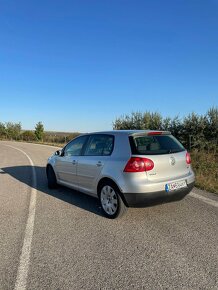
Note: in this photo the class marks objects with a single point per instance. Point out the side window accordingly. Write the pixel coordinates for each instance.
(100, 145)
(75, 147)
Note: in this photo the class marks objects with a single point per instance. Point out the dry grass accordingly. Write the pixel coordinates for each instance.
(205, 165)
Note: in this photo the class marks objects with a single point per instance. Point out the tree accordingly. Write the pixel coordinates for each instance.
(212, 123)
(39, 131)
(139, 121)
(152, 121)
(194, 131)
(2, 130)
(28, 135)
(13, 130)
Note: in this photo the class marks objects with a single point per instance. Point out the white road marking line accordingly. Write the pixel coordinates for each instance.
(204, 199)
(50, 146)
(22, 273)
(36, 144)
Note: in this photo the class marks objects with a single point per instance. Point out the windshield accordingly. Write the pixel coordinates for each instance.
(153, 145)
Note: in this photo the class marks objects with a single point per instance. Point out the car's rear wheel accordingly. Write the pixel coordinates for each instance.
(111, 202)
(52, 181)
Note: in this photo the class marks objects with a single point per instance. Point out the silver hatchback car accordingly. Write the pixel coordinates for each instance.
(123, 168)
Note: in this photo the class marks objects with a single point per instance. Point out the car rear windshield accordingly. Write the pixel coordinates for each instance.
(154, 145)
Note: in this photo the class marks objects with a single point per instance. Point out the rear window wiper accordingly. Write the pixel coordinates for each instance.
(174, 150)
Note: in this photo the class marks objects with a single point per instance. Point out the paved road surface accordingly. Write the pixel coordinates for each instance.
(58, 239)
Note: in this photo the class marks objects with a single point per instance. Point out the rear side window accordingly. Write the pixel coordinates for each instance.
(100, 145)
(154, 145)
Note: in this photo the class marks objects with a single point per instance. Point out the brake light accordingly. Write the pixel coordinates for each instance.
(155, 133)
(138, 164)
(188, 158)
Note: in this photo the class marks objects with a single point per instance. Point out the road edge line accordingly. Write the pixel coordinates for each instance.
(204, 199)
(37, 144)
(23, 267)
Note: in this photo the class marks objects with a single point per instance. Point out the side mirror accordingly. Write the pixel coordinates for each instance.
(58, 152)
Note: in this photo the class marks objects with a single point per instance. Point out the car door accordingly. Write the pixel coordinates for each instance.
(66, 163)
(90, 165)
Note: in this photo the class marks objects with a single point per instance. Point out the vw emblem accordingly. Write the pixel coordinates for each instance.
(172, 161)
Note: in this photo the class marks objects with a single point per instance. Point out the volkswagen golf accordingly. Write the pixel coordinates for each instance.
(123, 168)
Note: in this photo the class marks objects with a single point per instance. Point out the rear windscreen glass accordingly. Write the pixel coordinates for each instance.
(152, 145)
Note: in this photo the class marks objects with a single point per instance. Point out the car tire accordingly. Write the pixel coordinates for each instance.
(110, 200)
(52, 181)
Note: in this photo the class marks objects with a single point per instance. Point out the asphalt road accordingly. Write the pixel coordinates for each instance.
(58, 239)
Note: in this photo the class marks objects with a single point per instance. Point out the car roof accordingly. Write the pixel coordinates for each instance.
(129, 132)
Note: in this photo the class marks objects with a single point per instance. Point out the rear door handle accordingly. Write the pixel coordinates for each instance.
(99, 164)
(74, 162)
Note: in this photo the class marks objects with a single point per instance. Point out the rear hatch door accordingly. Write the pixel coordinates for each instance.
(168, 166)
(167, 153)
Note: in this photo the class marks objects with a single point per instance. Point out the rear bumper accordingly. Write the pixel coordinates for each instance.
(140, 199)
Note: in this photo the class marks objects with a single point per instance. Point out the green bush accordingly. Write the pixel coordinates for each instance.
(194, 131)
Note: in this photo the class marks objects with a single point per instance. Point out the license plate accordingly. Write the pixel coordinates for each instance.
(175, 185)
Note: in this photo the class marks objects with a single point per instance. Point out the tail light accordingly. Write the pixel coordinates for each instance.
(188, 158)
(138, 164)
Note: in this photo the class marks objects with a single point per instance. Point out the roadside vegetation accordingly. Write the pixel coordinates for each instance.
(198, 133)
(205, 165)
(13, 131)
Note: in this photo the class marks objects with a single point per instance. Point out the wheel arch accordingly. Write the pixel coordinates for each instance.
(47, 166)
(50, 166)
(106, 180)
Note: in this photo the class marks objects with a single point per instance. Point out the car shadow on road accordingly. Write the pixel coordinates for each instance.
(86, 202)
(24, 175)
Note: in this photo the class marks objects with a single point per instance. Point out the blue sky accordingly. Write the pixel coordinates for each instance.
(77, 65)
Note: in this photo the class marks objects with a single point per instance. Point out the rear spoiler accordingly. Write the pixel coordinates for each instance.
(150, 133)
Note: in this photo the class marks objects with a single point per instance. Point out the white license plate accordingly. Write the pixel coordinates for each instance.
(175, 185)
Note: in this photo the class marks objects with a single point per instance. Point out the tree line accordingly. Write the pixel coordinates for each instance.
(193, 131)
(14, 131)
